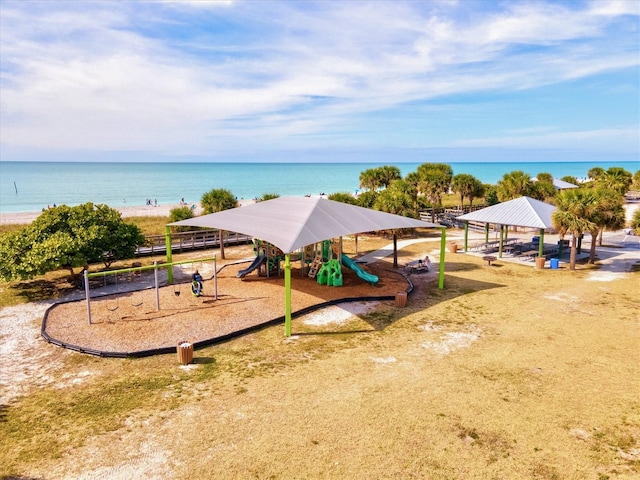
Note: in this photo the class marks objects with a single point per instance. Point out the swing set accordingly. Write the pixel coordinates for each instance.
(137, 295)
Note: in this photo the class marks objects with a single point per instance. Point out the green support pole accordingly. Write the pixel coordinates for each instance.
(443, 245)
(500, 243)
(486, 232)
(541, 245)
(466, 236)
(287, 295)
(167, 244)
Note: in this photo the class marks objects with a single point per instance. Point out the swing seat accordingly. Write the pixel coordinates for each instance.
(196, 288)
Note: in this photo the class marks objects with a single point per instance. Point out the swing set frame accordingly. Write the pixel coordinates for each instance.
(139, 269)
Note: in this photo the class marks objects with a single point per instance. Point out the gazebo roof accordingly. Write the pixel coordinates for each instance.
(290, 223)
(519, 212)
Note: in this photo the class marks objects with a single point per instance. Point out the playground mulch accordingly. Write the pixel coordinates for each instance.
(130, 322)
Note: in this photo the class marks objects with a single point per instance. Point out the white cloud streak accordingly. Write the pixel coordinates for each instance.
(209, 77)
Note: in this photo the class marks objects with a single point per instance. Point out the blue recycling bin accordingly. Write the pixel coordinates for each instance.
(554, 263)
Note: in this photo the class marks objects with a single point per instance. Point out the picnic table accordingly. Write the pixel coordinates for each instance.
(529, 254)
(489, 259)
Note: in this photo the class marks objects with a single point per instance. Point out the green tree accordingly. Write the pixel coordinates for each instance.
(67, 237)
(463, 185)
(572, 216)
(395, 199)
(379, 177)
(635, 221)
(388, 174)
(570, 179)
(218, 200)
(367, 199)
(543, 188)
(343, 197)
(369, 179)
(434, 181)
(180, 213)
(636, 180)
(615, 178)
(490, 194)
(513, 185)
(478, 191)
(595, 173)
(609, 214)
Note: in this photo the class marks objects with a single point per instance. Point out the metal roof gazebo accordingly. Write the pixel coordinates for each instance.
(519, 212)
(290, 223)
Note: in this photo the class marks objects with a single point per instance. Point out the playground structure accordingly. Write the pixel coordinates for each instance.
(113, 287)
(322, 261)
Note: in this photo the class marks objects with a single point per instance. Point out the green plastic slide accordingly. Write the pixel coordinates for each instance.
(367, 277)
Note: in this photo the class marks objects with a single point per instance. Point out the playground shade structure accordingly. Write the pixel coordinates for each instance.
(291, 223)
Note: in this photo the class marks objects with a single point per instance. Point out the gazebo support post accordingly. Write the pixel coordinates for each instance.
(501, 240)
(486, 233)
(287, 295)
(443, 246)
(466, 236)
(541, 244)
(167, 244)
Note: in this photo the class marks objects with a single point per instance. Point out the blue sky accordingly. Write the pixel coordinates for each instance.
(465, 80)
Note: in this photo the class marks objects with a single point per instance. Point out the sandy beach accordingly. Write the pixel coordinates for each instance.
(161, 210)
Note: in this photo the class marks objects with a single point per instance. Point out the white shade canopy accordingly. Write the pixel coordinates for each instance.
(291, 223)
(519, 212)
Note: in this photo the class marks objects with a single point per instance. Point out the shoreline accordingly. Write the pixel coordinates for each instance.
(162, 210)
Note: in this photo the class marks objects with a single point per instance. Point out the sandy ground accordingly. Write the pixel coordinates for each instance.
(161, 210)
(20, 339)
(20, 325)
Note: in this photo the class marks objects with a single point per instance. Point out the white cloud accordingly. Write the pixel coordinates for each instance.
(98, 77)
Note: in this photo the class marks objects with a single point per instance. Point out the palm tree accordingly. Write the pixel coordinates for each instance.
(387, 174)
(369, 179)
(572, 216)
(609, 215)
(435, 181)
(463, 184)
(477, 191)
(395, 200)
(513, 185)
(615, 178)
(217, 200)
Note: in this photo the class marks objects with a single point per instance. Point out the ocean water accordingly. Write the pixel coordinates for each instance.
(32, 186)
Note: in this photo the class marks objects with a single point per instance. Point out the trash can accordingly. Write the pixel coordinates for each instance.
(185, 353)
(453, 247)
(540, 261)
(554, 263)
(401, 299)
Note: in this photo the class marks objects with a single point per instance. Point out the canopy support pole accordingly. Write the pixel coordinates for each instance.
(486, 233)
(287, 295)
(541, 245)
(395, 250)
(167, 244)
(466, 236)
(443, 246)
(502, 236)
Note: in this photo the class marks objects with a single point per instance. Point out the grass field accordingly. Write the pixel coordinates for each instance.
(507, 373)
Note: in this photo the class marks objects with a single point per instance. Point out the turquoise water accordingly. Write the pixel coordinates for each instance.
(31, 186)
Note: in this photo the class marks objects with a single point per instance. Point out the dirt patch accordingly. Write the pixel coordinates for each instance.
(130, 322)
